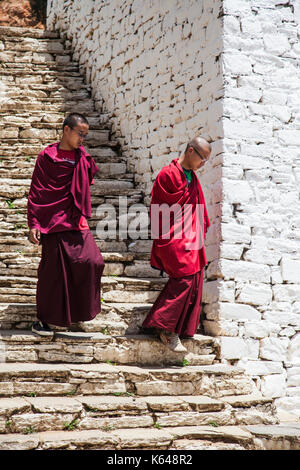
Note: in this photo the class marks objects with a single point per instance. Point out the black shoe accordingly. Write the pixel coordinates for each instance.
(42, 329)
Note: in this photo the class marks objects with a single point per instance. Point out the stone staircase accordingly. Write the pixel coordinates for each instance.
(106, 385)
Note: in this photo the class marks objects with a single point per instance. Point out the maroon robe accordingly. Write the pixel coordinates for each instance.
(60, 191)
(71, 266)
(178, 251)
(69, 278)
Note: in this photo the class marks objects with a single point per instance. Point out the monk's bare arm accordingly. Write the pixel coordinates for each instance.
(34, 235)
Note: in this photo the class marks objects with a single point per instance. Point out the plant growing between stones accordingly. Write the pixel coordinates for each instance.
(183, 363)
(8, 425)
(107, 428)
(157, 426)
(213, 423)
(72, 392)
(72, 425)
(111, 363)
(91, 409)
(105, 331)
(10, 203)
(29, 430)
(18, 226)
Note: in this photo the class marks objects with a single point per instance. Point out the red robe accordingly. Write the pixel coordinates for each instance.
(177, 256)
(178, 306)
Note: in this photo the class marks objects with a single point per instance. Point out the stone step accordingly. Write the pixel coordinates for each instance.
(117, 289)
(101, 187)
(42, 141)
(106, 153)
(46, 106)
(34, 135)
(38, 414)
(36, 379)
(173, 438)
(133, 439)
(285, 436)
(114, 171)
(25, 123)
(17, 54)
(18, 32)
(108, 283)
(73, 80)
(32, 45)
(16, 254)
(13, 203)
(15, 220)
(94, 118)
(19, 260)
(44, 88)
(80, 347)
(62, 93)
(50, 69)
(17, 241)
(114, 319)
(95, 137)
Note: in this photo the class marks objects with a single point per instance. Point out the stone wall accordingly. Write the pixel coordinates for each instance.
(156, 70)
(227, 70)
(254, 292)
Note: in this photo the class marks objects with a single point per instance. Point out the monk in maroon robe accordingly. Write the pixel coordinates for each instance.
(59, 203)
(178, 245)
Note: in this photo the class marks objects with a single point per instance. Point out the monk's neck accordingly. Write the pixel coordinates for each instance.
(63, 145)
(182, 161)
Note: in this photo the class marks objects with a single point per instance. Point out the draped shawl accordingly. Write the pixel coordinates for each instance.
(60, 190)
(179, 251)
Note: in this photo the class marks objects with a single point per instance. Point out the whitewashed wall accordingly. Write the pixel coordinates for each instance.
(152, 68)
(227, 70)
(255, 305)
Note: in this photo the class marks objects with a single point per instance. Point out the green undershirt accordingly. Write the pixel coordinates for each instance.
(188, 174)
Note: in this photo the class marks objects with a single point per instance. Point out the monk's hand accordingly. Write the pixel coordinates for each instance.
(35, 236)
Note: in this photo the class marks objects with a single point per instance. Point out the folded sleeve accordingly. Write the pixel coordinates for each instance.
(32, 220)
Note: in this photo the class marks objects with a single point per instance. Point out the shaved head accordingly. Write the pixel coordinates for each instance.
(197, 152)
(199, 144)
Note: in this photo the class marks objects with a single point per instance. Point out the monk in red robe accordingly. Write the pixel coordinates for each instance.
(179, 222)
(59, 203)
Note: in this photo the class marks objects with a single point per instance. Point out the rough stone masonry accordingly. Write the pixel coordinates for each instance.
(227, 70)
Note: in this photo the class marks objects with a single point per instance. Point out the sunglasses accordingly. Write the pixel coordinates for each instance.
(202, 158)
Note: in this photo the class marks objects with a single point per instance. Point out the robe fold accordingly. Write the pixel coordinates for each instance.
(178, 306)
(182, 252)
(69, 277)
(178, 249)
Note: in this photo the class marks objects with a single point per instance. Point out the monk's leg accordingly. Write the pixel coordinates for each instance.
(50, 291)
(189, 320)
(178, 306)
(73, 266)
